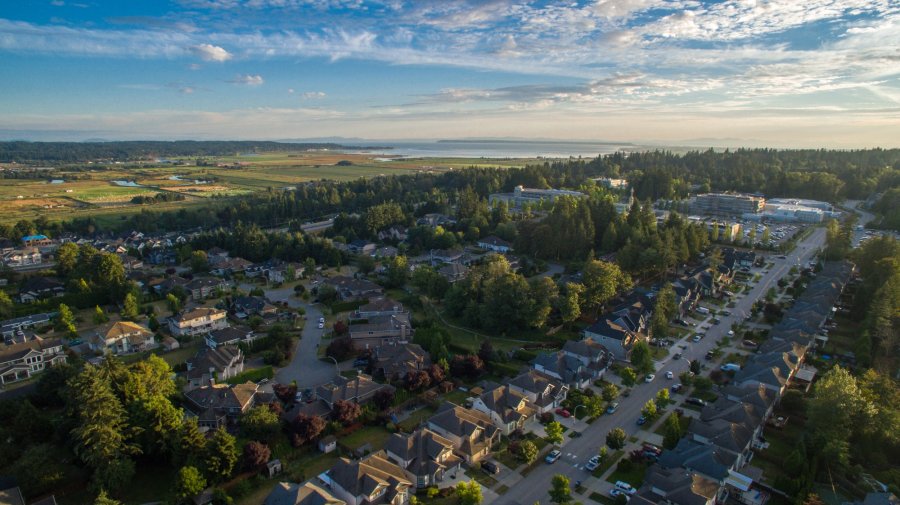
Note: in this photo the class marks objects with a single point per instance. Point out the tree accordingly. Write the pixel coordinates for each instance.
(528, 451)
(469, 493)
(285, 392)
(345, 412)
(256, 455)
(66, 258)
(672, 431)
(100, 317)
(629, 376)
(569, 304)
(610, 391)
(199, 261)
(642, 357)
(365, 264)
(306, 428)
(130, 309)
(102, 498)
(173, 303)
(221, 455)
(554, 432)
(695, 366)
(560, 492)
(602, 280)
(649, 410)
(835, 411)
(615, 439)
(384, 398)
(397, 272)
(114, 474)
(594, 406)
(469, 366)
(191, 443)
(260, 423)
(189, 483)
(417, 380)
(102, 434)
(664, 310)
(65, 320)
(486, 351)
(662, 397)
(38, 469)
(766, 235)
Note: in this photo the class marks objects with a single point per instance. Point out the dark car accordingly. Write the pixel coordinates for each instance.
(696, 401)
(361, 362)
(308, 395)
(490, 467)
(710, 354)
(678, 355)
(641, 421)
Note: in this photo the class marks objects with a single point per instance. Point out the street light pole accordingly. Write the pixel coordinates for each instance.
(336, 371)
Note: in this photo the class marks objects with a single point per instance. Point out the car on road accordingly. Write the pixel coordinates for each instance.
(697, 338)
(490, 467)
(716, 320)
(592, 464)
(677, 355)
(730, 333)
(360, 362)
(696, 401)
(575, 434)
(563, 412)
(298, 397)
(670, 375)
(263, 381)
(676, 387)
(730, 367)
(616, 492)
(641, 421)
(649, 377)
(612, 407)
(626, 487)
(710, 354)
(322, 320)
(749, 343)
(726, 312)
(553, 457)
(321, 326)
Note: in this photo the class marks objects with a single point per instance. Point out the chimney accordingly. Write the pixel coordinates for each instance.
(212, 376)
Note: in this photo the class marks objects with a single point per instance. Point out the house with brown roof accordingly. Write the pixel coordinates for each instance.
(286, 493)
(214, 364)
(424, 454)
(359, 389)
(349, 288)
(197, 321)
(216, 405)
(24, 359)
(675, 486)
(370, 481)
(472, 432)
(394, 361)
(509, 409)
(121, 337)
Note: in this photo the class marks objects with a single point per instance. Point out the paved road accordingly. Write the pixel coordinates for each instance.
(305, 366)
(578, 451)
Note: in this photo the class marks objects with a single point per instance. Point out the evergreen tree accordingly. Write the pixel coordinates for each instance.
(130, 309)
(221, 455)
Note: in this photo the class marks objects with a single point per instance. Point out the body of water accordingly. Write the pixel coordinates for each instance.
(127, 184)
(501, 149)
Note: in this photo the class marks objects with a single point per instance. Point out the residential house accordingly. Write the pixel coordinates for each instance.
(38, 288)
(9, 327)
(675, 486)
(248, 306)
(434, 220)
(454, 272)
(545, 393)
(362, 247)
(727, 435)
(371, 481)
(398, 233)
(772, 370)
(22, 360)
(170, 344)
(708, 460)
(509, 409)
(395, 361)
(36, 241)
(121, 337)
(619, 330)
(202, 288)
(472, 432)
(226, 267)
(380, 330)
(232, 335)
(495, 244)
(560, 365)
(387, 251)
(592, 355)
(286, 493)
(447, 256)
(20, 258)
(217, 405)
(218, 364)
(284, 272)
(197, 321)
(349, 288)
(379, 307)
(360, 389)
(424, 454)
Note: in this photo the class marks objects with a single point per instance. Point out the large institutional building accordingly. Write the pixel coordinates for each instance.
(727, 204)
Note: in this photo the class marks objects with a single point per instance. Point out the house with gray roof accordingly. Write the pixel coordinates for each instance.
(675, 486)
(216, 405)
(472, 432)
(370, 481)
(286, 493)
(708, 460)
(508, 409)
(546, 393)
(425, 455)
(565, 367)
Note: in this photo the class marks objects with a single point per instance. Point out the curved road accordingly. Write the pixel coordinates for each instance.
(577, 452)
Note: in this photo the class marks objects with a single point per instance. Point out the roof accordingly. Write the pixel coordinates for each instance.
(725, 434)
(381, 305)
(507, 403)
(401, 358)
(121, 329)
(357, 388)
(495, 241)
(677, 486)
(462, 422)
(381, 323)
(425, 451)
(17, 351)
(219, 397)
(368, 475)
(286, 493)
(708, 460)
(218, 359)
(197, 313)
(230, 334)
(586, 348)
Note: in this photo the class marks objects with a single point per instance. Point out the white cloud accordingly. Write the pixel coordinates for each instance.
(247, 80)
(209, 52)
(313, 95)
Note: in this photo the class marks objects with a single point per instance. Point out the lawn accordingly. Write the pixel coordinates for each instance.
(685, 421)
(607, 463)
(633, 476)
(605, 500)
(409, 424)
(375, 435)
(483, 478)
(457, 396)
(255, 375)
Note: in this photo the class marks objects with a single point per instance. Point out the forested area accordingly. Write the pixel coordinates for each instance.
(24, 152)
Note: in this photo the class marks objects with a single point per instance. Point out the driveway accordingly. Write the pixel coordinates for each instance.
(577, 452)
(305, 366)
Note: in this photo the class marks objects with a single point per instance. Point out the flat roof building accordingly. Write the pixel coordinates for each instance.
(727, 204)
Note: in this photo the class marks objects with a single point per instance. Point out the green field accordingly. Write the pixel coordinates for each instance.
(91, 193)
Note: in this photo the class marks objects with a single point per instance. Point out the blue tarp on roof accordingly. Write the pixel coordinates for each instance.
(29, 238)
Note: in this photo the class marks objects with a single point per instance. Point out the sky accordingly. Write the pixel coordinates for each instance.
(780, 73)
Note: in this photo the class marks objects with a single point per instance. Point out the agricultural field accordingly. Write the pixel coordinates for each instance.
(93, 192)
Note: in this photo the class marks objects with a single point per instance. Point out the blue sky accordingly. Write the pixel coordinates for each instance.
(725, 72)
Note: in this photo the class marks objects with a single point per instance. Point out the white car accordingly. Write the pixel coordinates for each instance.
(730, 333)
(553, 457)
(321, 326)
(697, 338)
(616, 492)
(322, 320)
(626, 487)
(592, 464)
(649, 377)
(670, 375)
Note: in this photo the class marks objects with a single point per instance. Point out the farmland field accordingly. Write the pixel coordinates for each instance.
(92, 192)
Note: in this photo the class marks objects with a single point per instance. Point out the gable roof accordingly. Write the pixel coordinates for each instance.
(221, 397)
(422, 449)
(368, 475)
(708, 460)
(218, 359)
(286, 493)
(507, 403)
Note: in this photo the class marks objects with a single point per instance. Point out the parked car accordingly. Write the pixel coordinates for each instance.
(652, 448)
(592, 464)
(612, 408)
(750, 343)
(696, 401)
(710, 354)
(678, 355)
(358, 362)
(263, 381)
(553, 457)
(616, 492)
(321, 326)
(676, 387)
(649, 377)
(322, 320)
(575, 434)
(730, 367)
(670, 375)
(563, 412)
(641, 421)
(626, 487)
(490, 467)
(697, 338)
(730, 333)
